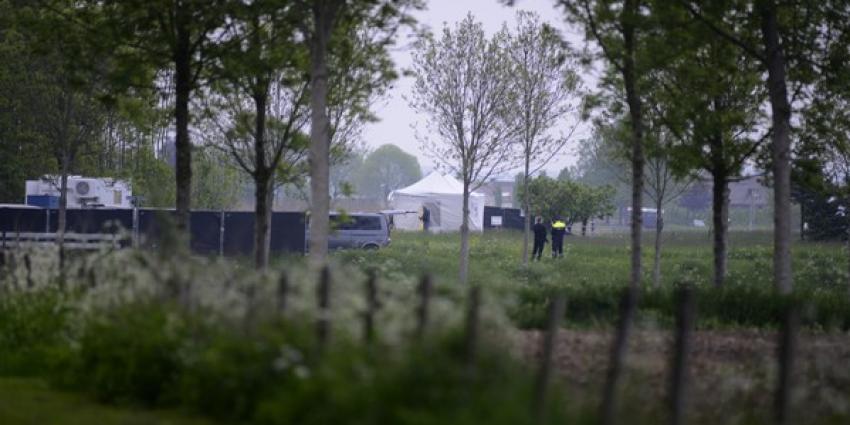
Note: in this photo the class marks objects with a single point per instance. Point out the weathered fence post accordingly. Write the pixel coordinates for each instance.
(628, 302)
(685, 314)
(28, 265)
(424, 289)
(92, 277)
(556, 315)
(2, 264)
(323, 322)
(371, 307)
(472, 318)
(282, 294)
(250, 295)
(786, 353)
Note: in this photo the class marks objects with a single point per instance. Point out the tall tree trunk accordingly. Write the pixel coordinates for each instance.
(659, 227)
(584, 227)
(781, 147)
(720, 222)
(264, 197)
(464, 235)
(63, 208)
(848, 256)
(630, 13)
(527, 206)
(323, 15)
(263, 191)
(182, 144)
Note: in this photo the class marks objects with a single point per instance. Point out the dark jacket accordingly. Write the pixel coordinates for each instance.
(539, 232)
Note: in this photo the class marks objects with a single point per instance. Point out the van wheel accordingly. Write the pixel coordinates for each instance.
(371, 247)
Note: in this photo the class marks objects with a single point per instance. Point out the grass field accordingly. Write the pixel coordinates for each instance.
(595, 269)
(28, 401)
(687, 255)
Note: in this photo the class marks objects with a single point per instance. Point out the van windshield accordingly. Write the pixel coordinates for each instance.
(356, 222)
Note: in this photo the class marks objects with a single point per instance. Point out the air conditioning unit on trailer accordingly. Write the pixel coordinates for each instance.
(83, 192)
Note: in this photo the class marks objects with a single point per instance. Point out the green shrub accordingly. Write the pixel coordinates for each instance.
(32, 330)
(130, 352)
(228, 372)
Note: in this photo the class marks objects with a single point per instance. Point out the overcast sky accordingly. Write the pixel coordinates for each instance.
(397, 118)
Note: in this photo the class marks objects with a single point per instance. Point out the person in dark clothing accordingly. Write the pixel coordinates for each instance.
(426, 219)
(559, 228)
(539, 238)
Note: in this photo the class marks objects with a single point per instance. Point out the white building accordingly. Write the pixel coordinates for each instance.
(83, 192)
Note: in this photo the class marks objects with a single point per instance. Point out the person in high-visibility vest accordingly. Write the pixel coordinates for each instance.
(559, 228)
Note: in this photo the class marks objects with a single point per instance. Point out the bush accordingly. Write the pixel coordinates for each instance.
(130, 352)
(32, 330)
(230, 371)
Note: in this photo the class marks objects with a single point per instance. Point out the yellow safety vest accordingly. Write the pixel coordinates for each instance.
(559, 225)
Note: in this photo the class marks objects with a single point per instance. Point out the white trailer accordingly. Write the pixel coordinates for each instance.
(83, 192)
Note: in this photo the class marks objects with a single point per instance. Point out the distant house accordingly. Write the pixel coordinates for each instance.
(745, 193)
(499, 192)
(748, 192)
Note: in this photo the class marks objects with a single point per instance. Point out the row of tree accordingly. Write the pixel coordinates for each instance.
(281, 87)
(689, 88)
(707, 87)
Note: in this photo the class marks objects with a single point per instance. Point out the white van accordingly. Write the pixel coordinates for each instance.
(358, 230)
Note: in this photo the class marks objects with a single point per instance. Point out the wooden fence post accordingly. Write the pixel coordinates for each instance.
(472, 318)
(628, 302)
(322, 324)
(424, 289)
(28, 265)
(250, 295)
(371, 307)
(685, 314)
(92, 279)
(556, 315)
(786, 352)
(282, 294)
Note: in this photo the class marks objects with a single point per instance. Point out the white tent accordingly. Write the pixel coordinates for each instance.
(443, 196)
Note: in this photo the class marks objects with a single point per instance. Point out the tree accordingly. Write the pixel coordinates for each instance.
(709, 99)
(571, 201)
(219, 185)
(546, 85)
(618, 27)
(65, 78)
(328, 16)
(22, 148)
(262, 96)
(386, 169)
(787, 41)
(609, 150)
(463, 85)
(663, 186)
(179, 35)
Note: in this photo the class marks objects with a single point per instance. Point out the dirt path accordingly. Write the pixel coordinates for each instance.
(732, 372)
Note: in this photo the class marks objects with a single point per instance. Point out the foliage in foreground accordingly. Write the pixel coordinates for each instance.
(208, 336)
(194, 334)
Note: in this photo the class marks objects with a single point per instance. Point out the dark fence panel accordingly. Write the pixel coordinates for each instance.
(511, 218)
(288, 228)
(239, 233)
(93, 220)
(206, 232)
(289, 233)
(151, 224)
(25, 220)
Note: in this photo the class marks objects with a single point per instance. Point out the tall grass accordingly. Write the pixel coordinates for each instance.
(595, 269)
